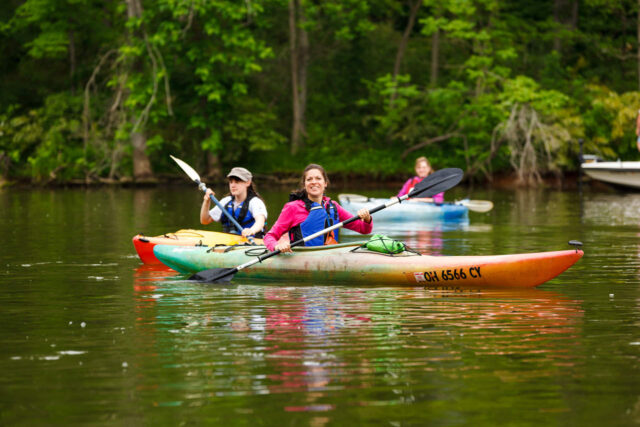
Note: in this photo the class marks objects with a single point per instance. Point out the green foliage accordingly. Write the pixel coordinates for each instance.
(254, 128)
(197, 77)
(610, 122)
(52, 43)
(44, 144)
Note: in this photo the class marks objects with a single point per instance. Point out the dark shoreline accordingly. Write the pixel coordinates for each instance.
(568, 181)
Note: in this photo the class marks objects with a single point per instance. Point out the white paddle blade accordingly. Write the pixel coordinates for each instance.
(477, 205)
(186, 168)
(356, 198)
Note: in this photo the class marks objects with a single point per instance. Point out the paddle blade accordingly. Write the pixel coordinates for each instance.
(215, 275)
(477, 205)
(186, 168)
(356, 198)
(437, 182)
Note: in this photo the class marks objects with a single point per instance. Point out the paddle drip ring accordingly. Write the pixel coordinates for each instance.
(256, 252)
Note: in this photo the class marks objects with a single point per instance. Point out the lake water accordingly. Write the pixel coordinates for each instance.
(89, 335)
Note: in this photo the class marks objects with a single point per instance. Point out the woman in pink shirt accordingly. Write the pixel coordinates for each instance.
(423, 170)
(310, 211)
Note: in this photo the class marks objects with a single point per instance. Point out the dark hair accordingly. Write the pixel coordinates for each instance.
(301, 193)
(251, 191)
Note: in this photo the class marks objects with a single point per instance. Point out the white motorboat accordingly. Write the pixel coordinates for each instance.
(626, 174)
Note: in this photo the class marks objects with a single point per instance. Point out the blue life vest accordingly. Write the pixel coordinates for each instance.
(319, 218)
(242, 215)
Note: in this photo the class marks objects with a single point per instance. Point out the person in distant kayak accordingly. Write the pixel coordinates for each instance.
(244, 204)
(309, 211)
(638, 130)
(423, 170)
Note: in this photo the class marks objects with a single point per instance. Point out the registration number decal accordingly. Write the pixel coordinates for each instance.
(448, 275)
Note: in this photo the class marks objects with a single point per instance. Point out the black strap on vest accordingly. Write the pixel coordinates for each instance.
(307, 203)
(243, 210)
(301, 196)
(227, 226)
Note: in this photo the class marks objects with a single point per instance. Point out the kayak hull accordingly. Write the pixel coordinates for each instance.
(144, 244)
(339, 264)
(410, 210)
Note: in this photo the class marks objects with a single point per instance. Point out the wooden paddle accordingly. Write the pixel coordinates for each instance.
(202, 186)
(435, 183)
(472, 205)
(476, 205)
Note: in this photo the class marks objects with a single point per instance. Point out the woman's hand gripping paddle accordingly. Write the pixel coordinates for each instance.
(202, 186)
(435, 183)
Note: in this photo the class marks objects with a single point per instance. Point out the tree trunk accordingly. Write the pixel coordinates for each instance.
(574, 15)
(565, 15)
(303, 63)
(72, 61)
(435, 52)
(295, 131)
(638, 36)
(4, 168)
(134, 9)
(213, 166)
(141, 164)
(558, 6)
(299, 46)
(404, 41)
(478, 49)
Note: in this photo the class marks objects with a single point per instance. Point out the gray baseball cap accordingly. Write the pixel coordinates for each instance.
(241, 173)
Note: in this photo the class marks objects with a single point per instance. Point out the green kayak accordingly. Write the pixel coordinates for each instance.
(349, 263)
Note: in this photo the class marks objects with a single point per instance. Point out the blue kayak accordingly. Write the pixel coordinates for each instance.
(410, 210)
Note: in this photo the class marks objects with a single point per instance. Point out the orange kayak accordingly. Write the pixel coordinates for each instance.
(144, 244)
(349, 264)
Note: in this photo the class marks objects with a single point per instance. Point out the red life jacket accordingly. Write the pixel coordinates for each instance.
(415, 181)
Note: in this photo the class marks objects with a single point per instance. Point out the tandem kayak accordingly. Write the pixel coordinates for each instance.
(410, 210)
(144, 244)
(349, 263)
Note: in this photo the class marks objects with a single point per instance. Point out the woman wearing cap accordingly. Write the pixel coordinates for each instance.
(244, 204)
(310, 211)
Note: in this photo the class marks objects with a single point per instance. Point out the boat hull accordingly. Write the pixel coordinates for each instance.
(144, 244)
(626, 174)
(338, 264)
(409, 210)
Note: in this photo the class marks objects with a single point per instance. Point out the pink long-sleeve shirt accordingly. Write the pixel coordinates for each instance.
(411, 182)
(294, 213)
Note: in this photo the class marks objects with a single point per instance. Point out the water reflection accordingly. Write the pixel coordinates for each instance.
(316, 341)
(403, 227)
(612, 209)
(145, 276)
(89, 336)
(405, 336)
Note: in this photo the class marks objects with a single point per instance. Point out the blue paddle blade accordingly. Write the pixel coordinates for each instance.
(437, 182)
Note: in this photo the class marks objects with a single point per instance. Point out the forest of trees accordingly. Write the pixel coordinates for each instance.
(104, 91)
